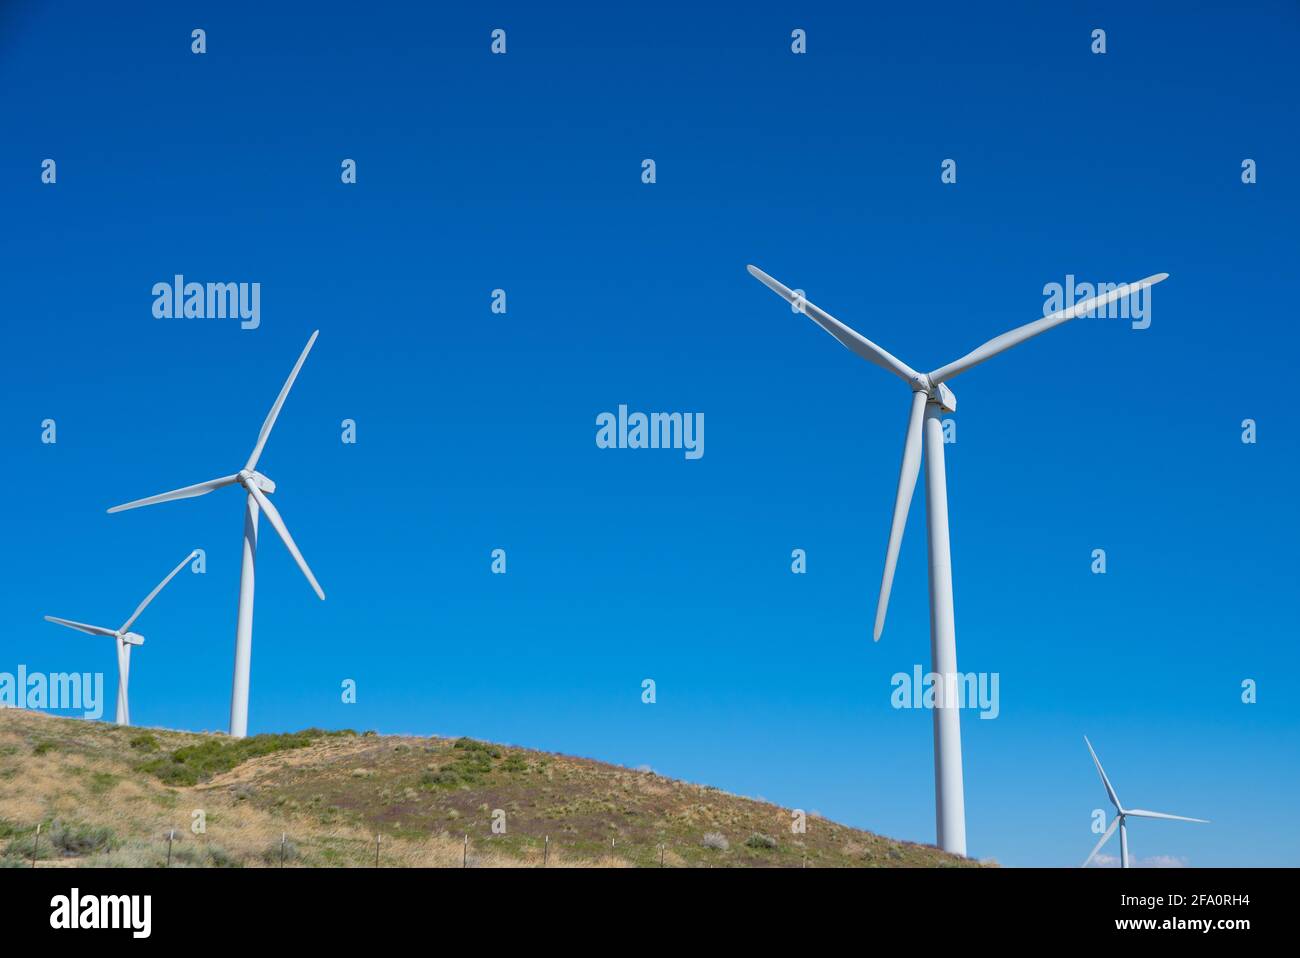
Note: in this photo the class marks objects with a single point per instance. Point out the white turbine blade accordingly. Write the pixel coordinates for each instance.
(81, 626)
(907, 474)
(848, 337)
(189, 492)
(280, 527)
(1105, 836)
(1114, 799)
(150, 597)
(1028, 331)
(1143, 813)
(279, 401)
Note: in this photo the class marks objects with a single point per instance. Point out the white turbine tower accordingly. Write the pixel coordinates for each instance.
(931, 398)
(125, 639)
(257, 487)
(1122, 813)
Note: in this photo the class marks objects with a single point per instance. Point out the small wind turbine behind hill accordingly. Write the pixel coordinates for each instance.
(1122, 813)
(125, 639)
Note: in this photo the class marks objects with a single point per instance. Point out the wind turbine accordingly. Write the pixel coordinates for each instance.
(257, 486)
(1122, 813)
(931, 398)
(125, 639)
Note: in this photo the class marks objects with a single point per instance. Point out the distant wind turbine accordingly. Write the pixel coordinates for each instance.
(931, 398)
(1122, 813)
(125, 639)
(257, 487)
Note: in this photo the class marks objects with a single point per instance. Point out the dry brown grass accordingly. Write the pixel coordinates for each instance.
(422, 795)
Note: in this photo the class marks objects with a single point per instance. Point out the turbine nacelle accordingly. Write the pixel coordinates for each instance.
(247, 476)
(131, 638)
(935, 392)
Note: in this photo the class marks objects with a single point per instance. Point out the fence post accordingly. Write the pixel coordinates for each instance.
(661, 855)
(171, 836)
(464, 859)
(377, 839)
(546, 850)
(36, 844)
(284, 837)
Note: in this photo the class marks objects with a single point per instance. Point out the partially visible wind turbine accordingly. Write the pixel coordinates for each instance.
(257, 486)
(125, 639)
(1122, 813)
(931, 398)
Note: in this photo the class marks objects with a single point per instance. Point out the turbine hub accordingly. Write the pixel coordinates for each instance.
(262, 482)
(937, 392)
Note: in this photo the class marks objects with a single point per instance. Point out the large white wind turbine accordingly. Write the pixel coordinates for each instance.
(931, 398)
(1122, 813)
(125, 639)
(257, 487)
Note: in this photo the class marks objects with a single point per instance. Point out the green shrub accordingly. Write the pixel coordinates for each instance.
(145, 742)
(762, 842)
(470, 745)
(443, 778)
(473, 763)
(326, 733)
(135, 854)
(204, 856)
(20, 847)
(716, 841)
(220, 858)
(101, 782)
(192, 764)
(43, 748)
(188, 855)
(272, 854)
(474, 759)
(76, 838)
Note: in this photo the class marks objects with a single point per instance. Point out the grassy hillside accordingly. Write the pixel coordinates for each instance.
(109, 796)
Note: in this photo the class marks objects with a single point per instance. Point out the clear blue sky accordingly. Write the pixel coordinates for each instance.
(476, 431)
